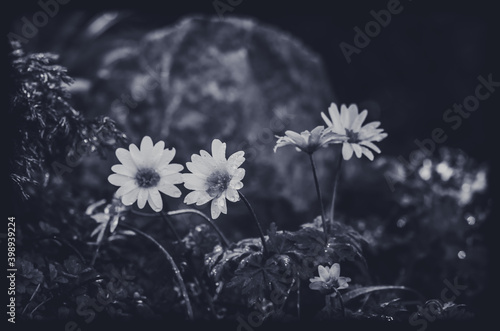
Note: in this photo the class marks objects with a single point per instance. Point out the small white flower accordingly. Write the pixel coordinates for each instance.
(328, 279)
(348, 123)
(145, 173)
(111, 215)
(214, 178)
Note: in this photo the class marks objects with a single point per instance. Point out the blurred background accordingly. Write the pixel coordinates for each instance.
(184, 75)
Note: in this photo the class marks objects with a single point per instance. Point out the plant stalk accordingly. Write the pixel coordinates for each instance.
(335, 183)
(261, 232)
(341, 301)
(171, 261)
(318, 191)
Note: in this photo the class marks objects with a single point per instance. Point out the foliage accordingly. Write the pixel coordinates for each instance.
(50, 135)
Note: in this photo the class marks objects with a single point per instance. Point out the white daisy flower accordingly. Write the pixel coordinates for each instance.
(145, 173)
(348, 122)
(214, 178)
(309, 142)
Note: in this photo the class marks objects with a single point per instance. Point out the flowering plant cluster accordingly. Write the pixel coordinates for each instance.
(148, 258)
(262, 266)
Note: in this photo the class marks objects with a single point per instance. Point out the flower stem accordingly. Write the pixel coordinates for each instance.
(189, 259)
(171, 261)
(341, 302)
(264, 246)
(328, 302)
(318, 191)
(207, 219)
(170, 226)
(334, 195)
(99, 244)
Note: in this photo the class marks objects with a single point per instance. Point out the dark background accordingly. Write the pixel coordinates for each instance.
(424, 61)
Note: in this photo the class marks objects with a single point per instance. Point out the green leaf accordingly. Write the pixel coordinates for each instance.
(348, 296)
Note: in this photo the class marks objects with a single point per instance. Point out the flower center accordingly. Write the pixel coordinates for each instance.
(147, 178)
(217, 182)
(353, 136)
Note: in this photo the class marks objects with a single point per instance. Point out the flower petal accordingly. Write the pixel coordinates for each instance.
(238, 174)
(100, 218)
(127, 187)
(100, 227)
(326, 119)
(352, 113)
(219, 150)
(129, 198)
(316, 285)
(221, 201)
(146, 144)
(192, 197)
(193, 182)
(379, 137)
(155, 200)
(203, 198)
(343, 282)
(323, 273)
(119, 180)
(335, 271)
(101, 235)
(344, 116)
(296, 138)
(283, 141)
(123, 170)
(232, 195)
(236, 159)
(137, 156)
(371, 145)
(169, 189)
(358, 121)
(198, 169)
(142, 197)
(371, 125)
(156, 154)
(170, 169)
(166, 158)
(125, 158)
(208, 159)
(215, 209)
(114, 223)
(367, 153)
(346, 151)
(173, 179)
(338, 127)
(235, 184)
(357, 150)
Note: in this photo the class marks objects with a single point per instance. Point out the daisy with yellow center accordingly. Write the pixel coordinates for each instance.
(144, 173)
(359, 138)
(214, 178)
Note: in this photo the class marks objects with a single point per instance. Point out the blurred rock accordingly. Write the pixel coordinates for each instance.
(237, 80)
